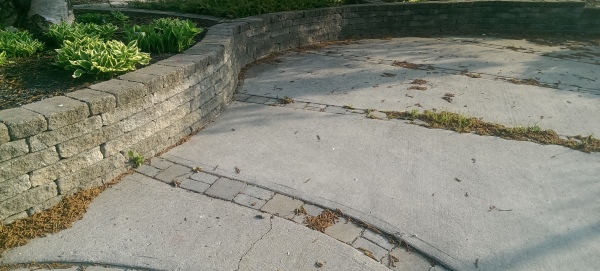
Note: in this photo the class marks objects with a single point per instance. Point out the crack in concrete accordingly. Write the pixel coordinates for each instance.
(253, 243)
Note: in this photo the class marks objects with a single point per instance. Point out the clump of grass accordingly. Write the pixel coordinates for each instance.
(462, 124)
(286, 100)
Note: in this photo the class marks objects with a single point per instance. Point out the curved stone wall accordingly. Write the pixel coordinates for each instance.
(61, 145)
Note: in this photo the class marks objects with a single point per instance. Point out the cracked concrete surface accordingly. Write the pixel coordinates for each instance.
(144, 224)
(254, 243)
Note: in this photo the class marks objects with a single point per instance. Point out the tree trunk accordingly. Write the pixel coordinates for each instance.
(53, 11)
(35, 14)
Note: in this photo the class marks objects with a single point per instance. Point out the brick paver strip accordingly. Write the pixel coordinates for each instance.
(160, 163)
(174, 172)
(282, 206)
(148, 170)
(249, 201)
(378, 239)
(194, 185)
(203, 177)
(258, 192)
(376, 250)
(344, 231)
(409, 260)
(225, 189)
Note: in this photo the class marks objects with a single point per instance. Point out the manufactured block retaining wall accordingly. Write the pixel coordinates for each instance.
(61, 145)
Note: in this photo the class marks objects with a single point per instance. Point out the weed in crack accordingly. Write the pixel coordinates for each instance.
(462, 124)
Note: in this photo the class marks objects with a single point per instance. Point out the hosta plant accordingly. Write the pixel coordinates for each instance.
(99, 58)
(164, 35)
(65, 31)
(2, 58)
(19, 44)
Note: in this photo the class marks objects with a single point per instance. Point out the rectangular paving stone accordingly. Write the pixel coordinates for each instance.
(257, 192)
(282, 206)
(336, 110)
(60, 111)
(378, 239)
(22, 123)
(312, 210)
(344, 231)
(174, 172)
(241, 97)
(249, 201)
(204, 177)
(257, 100)
(297, 105)
(225, 188)
(410, 260)
(160, 163)
(148, 170)
(367, 246)
(194, 185)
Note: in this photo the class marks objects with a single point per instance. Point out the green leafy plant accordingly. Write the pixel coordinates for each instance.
(19, 44)
(71, 32)
(135, 159)
(2, 58)
(164, 35)
(100, 58)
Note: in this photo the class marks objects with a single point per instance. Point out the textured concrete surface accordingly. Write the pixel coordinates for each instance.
(460, 198)
(144, 224)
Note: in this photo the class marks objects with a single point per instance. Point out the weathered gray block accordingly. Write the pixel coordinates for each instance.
(174, 172)
(11, 188)
(44, 205)
(124, 91)
(60, 111)
(225, 188)
(171, 76)
(88, 176)
(378, 252)
(65, 167)
(95, 138)
(194, 185)
(249, 201)
(148, 170)
(408, 260)
(50, 138)
(123, 112)
(160, 163)
(205, 178)
(153, 82)
(258, 192)
(378, 239)
(13, 218)
(4, 136)
(344, 231)
(282, 206)
(27, 199)
(98, 102)
(13, 149)
(22, 123)
(180, 62)
(26, 163)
